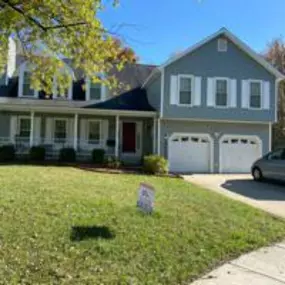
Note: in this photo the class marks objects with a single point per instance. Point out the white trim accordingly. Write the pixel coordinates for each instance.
(57, 96)
(66, 128)
(179, 77)
(259, 59)
(18, 123)
(117, 135)
(139, 131)
(154, 136)
(208, 136)
(162, 93)
(253, 137)
(158, 135)
(219, 121)
(103, 91)
(249, 81)
(32, 128)
(75, 132)
(270, 137)
(228, 92)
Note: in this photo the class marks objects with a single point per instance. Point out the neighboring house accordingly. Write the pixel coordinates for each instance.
(209, 109)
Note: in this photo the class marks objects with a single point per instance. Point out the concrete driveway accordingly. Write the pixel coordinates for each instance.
(267, 196)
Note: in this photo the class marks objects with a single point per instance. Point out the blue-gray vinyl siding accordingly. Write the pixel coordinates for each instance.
(153, 93)
(208, 62)
(216, 131)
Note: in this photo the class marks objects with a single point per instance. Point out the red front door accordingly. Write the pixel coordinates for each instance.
(129, 137)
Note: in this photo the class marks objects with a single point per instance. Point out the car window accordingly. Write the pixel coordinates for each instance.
(277, 155)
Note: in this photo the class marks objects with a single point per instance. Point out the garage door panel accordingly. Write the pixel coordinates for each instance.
(238, 153)
(189, 153)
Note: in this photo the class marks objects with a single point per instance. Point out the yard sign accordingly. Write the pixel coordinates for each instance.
(146, 198)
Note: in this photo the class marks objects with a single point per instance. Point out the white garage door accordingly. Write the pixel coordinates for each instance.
(189, 153)
(237, 153)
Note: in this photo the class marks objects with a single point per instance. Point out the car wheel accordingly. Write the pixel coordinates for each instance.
(257, 174)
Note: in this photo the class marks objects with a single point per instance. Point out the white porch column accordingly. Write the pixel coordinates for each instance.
(158, 136)
(32, 128)
(75, 132)
(154, 138)
(117, 138)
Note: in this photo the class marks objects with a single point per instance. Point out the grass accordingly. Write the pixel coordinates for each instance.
(63, 225)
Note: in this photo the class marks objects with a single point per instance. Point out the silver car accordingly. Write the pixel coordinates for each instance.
(270, 166)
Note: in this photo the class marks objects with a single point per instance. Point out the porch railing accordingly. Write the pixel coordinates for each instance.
(52, 146)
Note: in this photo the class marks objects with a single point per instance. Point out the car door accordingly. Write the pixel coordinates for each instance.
(274, 167)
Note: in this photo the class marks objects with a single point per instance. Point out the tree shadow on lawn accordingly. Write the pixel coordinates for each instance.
(79, 233)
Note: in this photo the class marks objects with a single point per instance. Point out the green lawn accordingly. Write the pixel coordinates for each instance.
(61, 225)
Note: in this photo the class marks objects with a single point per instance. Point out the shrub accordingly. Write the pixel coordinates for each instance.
(37, 153)
(67, 154)
(155, 164)
(112, 162)
(98, 155)
(7, 153)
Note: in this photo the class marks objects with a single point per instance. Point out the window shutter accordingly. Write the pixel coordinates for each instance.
(173, 89)
(233, 93)
(49, 130)
(105, 131)
(210, 92)
(266, 95)
(197, 92)
(244, 94)
(13, 128)
(83, 130)
(70, 131)
(37, 130)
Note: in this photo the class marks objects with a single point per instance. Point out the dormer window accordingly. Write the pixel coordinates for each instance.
(222, 45)
(66, 94)
(94, 91)
(25, 89)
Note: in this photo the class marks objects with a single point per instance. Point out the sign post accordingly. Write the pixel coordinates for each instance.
(146, 198)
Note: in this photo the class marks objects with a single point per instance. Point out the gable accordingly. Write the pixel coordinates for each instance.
(235, 41)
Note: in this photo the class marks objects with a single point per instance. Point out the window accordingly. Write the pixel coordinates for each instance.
(94, 132)
(59, 93)
(221, 92)
(185, 90)
(60, 127)
(255, 94)
(95, 91)
(24, 127)
(27, 90)
(277, 155)
(222, 45)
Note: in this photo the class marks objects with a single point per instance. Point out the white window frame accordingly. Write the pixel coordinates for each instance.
(100, 131)
(228, 92)
(222, 45)
(25, 69)
(57, 96)
(179, 77)
(19, 124)
(261, 93)
(88, 89)
(66, 128)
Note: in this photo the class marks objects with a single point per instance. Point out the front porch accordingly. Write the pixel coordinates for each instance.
(127, 137)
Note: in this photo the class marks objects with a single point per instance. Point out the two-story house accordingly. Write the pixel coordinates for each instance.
(209, 109)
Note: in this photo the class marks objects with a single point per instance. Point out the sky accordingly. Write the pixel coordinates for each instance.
(157, 29)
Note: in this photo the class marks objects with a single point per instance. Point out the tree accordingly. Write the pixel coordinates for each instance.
(50, 30)
(276, 55)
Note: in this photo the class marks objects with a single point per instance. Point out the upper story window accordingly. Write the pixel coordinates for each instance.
(62, 94)
(60, 130)
(95, 91)
(185, 87)
(221, 92)
(25, 89)
(222, 45)
(255, 93)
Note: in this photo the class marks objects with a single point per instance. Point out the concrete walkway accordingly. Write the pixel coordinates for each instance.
(265, 266)
(269, 197)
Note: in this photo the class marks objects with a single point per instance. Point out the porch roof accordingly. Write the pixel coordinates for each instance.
(132, 100)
